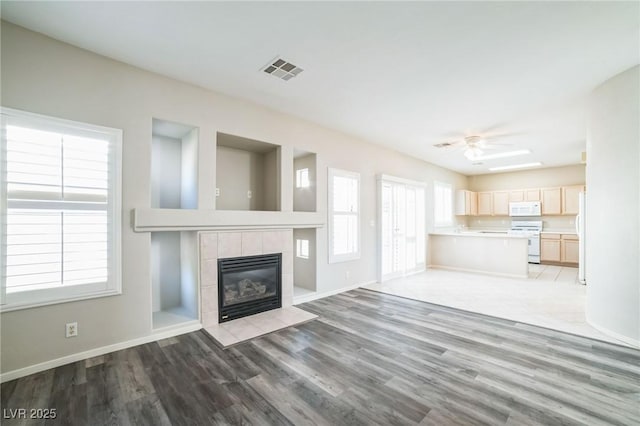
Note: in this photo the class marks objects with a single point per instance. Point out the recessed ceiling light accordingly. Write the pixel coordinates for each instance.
(516, 166)
(502, 155)
(282, 69)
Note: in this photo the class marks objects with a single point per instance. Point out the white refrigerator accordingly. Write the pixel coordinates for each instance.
(580, 229)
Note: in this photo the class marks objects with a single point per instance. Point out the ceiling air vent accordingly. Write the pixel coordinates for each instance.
(443, 144)
(282, 69)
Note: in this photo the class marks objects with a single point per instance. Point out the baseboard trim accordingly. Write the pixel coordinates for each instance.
(477, 271)
(314, 296)
(627, 340)
(156, 335)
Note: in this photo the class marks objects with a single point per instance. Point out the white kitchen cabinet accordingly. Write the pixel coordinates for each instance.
(551, 201)
(500, 203)
(559, 249)
(485, 203)
(550, 248)
(569, 249)
(570, 199)
(532, 194)
(516, 195)
(466, 203)
(402, 231)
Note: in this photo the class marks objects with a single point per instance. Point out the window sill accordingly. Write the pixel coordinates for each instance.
(17, 306)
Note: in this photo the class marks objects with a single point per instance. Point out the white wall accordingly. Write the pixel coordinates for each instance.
(613, 207)
(189, 171)
(239, 171)
(45, 76)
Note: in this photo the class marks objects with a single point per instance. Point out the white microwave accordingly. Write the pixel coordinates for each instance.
(525, 208)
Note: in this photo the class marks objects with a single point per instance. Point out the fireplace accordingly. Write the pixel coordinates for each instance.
(248, 285)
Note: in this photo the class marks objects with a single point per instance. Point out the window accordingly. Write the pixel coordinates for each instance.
(302, 178)
(442, 201)
(61, 210)
(302, 249)
(344, 215)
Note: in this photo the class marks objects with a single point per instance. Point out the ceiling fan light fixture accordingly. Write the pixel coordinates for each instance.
(516, 166)
(504, 154)
(473, 152)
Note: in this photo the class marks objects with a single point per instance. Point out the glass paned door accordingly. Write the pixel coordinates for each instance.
(402, 229)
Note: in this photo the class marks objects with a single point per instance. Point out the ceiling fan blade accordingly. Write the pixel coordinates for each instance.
(449, 144)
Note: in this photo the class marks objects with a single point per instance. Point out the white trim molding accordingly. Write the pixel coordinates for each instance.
(314, 296)
(159, 335)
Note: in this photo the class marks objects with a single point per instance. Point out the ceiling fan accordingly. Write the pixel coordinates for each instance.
(472, 145)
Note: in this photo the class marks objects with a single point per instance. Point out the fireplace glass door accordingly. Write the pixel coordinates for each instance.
(248, 285)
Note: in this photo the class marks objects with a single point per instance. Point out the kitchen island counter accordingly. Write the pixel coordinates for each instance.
(495, 253)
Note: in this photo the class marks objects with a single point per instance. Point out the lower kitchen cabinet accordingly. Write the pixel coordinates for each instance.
(550, 248)
(569, 249)
(559, 249)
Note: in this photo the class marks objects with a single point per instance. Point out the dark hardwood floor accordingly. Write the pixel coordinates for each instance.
(369, 358)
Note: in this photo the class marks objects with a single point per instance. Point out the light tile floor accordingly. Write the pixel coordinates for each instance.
(236, 331)
(551, 297)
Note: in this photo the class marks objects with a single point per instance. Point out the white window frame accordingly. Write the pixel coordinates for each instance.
(302, 178)
(335, 258)
(63, 294)
(437, 220)
(302, 248)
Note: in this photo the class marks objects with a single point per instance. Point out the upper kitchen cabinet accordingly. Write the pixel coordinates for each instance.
(501, 203)
(174, 169)
(570, 198)
(532, 194)
(466, 203)
(551, 201)
(516, 195)
(519, 195)
(485, 203)
(247, 174)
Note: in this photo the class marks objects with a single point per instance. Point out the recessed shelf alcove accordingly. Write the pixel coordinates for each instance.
(247, 174)
(304, 181)
(304, 260)
(174, 284)
(174, 165)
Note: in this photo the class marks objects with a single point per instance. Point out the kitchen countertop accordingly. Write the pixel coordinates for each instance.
(559, 231)
(484, 234)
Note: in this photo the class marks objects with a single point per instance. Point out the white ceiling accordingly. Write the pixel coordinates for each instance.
(404, 75)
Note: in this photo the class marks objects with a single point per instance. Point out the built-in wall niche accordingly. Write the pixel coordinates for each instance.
(174, 284)
(304, 181)
(304, 261)
(174, 165)
(247, 174)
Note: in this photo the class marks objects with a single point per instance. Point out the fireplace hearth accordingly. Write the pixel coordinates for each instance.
(249, 285)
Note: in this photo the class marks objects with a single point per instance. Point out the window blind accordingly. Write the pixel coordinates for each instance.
(344, 215)
(57, 216)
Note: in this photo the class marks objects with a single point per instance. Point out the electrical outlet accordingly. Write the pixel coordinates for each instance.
(71, 329)
(217, 192)
(347, 275)
(249, 194)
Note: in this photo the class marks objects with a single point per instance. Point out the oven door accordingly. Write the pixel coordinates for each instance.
(534, 245)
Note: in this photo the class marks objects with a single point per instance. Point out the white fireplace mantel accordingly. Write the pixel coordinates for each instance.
(151, 220)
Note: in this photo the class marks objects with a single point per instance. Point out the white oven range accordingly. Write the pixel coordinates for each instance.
(532, 229)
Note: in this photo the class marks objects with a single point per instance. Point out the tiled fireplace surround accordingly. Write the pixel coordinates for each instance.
(216, 245)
